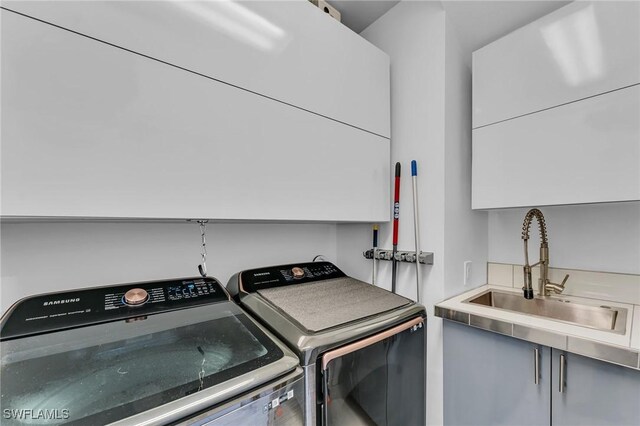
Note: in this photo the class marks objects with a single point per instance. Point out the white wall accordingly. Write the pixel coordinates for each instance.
(431, 123)
(465, 229)
(597, 237)
(412, 34)
(45, 257)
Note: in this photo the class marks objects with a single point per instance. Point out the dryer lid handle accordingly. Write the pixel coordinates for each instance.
(360, 344)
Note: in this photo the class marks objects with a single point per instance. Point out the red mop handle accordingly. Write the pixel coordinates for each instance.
(396, 205)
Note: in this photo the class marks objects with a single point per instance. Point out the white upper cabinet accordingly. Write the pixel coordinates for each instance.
(556, 108)
(583, 152)
(580, 50)
(96, 131)
(290, 51)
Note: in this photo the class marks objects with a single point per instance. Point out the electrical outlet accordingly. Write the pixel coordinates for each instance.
(467, 272)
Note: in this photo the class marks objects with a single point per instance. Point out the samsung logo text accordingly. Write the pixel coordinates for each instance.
(60, 302)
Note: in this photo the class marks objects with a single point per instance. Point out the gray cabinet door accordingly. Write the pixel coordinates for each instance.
(595, 392)
(489, 379)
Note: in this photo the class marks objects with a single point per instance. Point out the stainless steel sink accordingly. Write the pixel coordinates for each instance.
(603, 318)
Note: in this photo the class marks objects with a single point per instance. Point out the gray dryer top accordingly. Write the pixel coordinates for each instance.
(330, 303)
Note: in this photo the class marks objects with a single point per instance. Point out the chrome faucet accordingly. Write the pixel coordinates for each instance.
(545, 287)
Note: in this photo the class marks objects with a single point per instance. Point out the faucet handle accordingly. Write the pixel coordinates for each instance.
(556, 288)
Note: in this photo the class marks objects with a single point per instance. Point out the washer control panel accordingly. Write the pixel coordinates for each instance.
(58, 311)
(278, 276)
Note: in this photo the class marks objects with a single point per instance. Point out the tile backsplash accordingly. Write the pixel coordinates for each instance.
(500, 274)
(610, 286)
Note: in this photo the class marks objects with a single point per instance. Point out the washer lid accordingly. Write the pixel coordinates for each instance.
(324, 304)
(103, 373)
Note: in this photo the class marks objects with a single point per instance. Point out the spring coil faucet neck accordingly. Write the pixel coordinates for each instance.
(526, 226)
(545, 287)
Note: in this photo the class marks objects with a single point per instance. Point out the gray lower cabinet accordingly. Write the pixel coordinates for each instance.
(594, 392)
(489, 379)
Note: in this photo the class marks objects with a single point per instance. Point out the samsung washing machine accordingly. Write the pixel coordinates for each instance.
(362, 347)
(162, 352)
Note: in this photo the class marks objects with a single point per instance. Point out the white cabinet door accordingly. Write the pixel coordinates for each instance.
(580, 50)
(91, 130)
(286, 50)
(583, 152)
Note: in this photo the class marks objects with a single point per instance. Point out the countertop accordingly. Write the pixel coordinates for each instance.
(622, 349)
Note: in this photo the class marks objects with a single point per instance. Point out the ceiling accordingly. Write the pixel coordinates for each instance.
(477, 22)
(359, 14)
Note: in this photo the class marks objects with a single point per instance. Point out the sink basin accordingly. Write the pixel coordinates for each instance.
(603, 318)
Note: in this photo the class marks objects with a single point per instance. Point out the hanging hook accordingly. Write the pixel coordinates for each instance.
(202, 268)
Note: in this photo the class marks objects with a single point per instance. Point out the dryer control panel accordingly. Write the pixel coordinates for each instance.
(283, 275)
(57, 311)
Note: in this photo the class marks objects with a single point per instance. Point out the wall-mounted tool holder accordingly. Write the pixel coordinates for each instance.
(426, 257)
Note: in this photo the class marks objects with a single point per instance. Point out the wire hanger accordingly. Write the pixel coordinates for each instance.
(202, 268)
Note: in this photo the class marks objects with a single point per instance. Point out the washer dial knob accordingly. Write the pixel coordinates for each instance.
(136, 296)
(297, 272)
